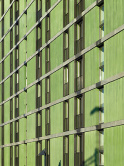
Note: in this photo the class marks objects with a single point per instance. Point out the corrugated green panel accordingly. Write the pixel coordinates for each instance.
(88, 3)
(71, 114)
(43, 122)
(71, 10)
(56, 82)
(114, 55)
(114, 101)
(92, 108)
(56, 17)
(114, 17)
(22, 26)
(43, 7)
(31, 71)
(31, 98)
(22, 107)
(71, 41)
(31, 43)
(92, 148)
(7, 111)
(71, 150)
(7, 156)
(43, 92)
(56, 156)
(22, 6)
(7, 134)
(113, 146)
(7, 44)
(7, 66)
(22, 155)
(6, 5)
(31, 148)
(31, 126)
(56, 118)
(92, 67)
(71, 77)
(22, 52)
(31, 16)
(22, 129)
(7, 89)
(53, 2)
(92, 26)
(22, 77)
(56, 52)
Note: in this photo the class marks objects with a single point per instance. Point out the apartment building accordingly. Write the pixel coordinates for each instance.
(61, 82)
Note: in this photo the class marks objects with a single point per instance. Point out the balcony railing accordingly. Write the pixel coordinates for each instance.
(79, 45)
(47, 128)
(66, 21)
(39, 14)
(79, 83)
(66, 54)
(39, 131)
(79, 7)
(66, 89)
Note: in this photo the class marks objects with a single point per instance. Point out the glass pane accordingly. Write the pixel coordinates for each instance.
(101, 138)
(47, 84)
(39, 119)
(66, 109)
(48, 116)
(78, 144)
(102, 97)
(47, 23)
(66, 6)
(102, 55)
(78, 106)
(38, 90)
(66, 144)
(78, 68)
(102, 31)
(102, 73)
(102, 159)
(48, 147)
(66, 40)
(102, 13)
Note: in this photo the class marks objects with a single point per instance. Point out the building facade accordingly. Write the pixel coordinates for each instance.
(61, 82)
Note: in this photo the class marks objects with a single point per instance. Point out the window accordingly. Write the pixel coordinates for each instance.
(39, 125)
(78, 7)
(66, 45)
(66, 151)
(38, 150)
(47, 90)
(17, 155)
(38, 65)
(78, 112)
(66, 84)
(16, 9)
(101, 147)
(66, 116)
(101, 21)
(47, 142)
(66, 12)
(16, 106)
(78, 150)
(47, 4)
(17, 81)
(47, 28)
(39, 12)
(47, 59)
(38, 90)
(78, 37)
(16, 131)
(11, 156)
(47, 119)
(79, 74)
(101, 63)
(17, 57)
(101, 112)
(38, 36)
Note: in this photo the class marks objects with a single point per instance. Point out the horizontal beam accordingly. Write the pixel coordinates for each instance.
(87, 89)
(67, 133)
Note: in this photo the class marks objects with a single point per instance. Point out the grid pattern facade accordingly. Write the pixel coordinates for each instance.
(61, 83)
